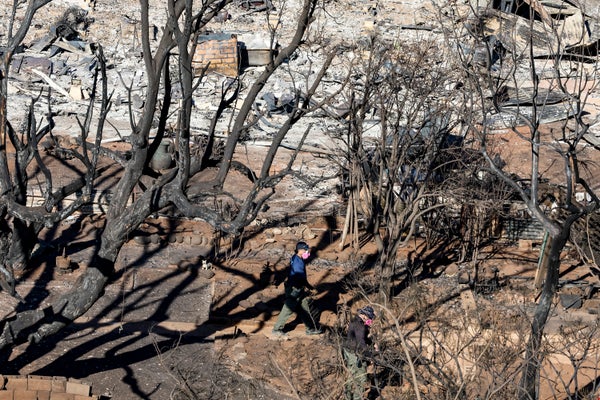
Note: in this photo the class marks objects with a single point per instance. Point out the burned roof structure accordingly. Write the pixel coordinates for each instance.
(550, 26)
(548, 31)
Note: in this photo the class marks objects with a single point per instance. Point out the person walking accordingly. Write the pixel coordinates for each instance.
(297, 296)
(357, 349)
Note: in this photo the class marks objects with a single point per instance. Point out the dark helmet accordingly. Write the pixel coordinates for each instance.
(302, 246)
(368, 312)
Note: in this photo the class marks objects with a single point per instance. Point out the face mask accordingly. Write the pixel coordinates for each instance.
(369, 322)
(305, 255)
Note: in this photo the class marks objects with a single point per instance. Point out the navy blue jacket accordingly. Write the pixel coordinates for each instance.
(297, 276)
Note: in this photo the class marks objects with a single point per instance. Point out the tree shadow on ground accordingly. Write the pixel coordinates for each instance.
(94, 346)
(120, 349)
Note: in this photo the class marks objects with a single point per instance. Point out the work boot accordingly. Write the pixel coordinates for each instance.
(314, 331)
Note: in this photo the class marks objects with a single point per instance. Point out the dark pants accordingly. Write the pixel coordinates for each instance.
(356, 382)
(296, 300)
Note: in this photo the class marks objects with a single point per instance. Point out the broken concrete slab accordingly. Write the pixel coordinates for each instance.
(512, 117)
(570, 301)
(24, 63)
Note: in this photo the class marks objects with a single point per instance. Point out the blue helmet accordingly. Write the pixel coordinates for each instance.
(302, 246)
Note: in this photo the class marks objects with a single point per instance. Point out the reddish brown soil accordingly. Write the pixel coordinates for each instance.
(137, 358)
(162, 340)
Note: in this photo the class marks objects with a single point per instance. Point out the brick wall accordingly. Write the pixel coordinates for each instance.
(221, 51)
(32, 387)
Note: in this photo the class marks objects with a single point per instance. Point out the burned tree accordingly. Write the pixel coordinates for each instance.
(167, 59)
(534, 90)
(399, 139)
(21, 223)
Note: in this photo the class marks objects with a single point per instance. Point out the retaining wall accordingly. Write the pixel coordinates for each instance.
(34, 387)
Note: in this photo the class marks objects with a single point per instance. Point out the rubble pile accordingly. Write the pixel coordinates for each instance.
(58, 55)
(56, 64)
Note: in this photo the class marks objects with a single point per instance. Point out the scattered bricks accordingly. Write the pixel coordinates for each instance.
(79, 397)
(59, 384)
(219, 52)
(75, 386)
(25, 394)
(6, 395)
(16, 382)
(35, 382)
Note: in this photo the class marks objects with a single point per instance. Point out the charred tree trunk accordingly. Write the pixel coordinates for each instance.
(387, 261)
(34, 325)
(533, 358)
(24, 238)
(164, 188)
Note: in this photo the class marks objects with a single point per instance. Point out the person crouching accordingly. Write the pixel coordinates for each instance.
(357, 349)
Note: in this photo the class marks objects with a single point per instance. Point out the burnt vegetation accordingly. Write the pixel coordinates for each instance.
(416, 126)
